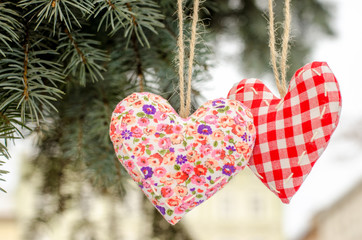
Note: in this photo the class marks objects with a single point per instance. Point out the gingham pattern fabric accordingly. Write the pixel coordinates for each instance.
(292, 132)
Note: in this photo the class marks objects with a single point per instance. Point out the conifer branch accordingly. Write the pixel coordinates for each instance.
(8, 132)
(26, 62)
(29, 79)
(54, 3)
(115, 17)
(82, 58)
(111, 4)
(134, 22)
(75, 44)
(66, 11)
(130, 17)
(4, 118)
(8, 25)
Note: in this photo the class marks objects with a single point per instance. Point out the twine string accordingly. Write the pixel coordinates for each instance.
(285, 45)
(180, 45)
(195, 18)
(274, 55)
(185, 104)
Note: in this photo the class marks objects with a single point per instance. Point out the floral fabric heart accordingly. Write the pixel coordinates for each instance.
(292, 132)
(179, 163)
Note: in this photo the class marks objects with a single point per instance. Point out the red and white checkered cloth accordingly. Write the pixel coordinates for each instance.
(292, 132)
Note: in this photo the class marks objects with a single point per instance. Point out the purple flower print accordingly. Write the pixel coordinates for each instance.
(244, 137)
(218, 103)
(161, 209)
(147, 172)
(149, 109)
(228, 169)
(204, 129)
(231, 148)
(181, 159)
(126, 134)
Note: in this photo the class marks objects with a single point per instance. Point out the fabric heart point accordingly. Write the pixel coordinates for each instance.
(179, 163)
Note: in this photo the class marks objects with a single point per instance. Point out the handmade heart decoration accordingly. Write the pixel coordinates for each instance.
(292, 132)
(179, 163)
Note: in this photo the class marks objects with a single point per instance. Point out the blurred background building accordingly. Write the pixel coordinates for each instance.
(243, 210)
(342, 220)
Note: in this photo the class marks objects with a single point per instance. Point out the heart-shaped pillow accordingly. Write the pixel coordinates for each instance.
(179, 163)
(292, 132)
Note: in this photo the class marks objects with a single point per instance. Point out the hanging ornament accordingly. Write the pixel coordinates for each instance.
(179, 163)
(292, 132)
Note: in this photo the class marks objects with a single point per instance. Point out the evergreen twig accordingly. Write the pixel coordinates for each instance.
(8, 25)
(66, 11)
(81, 56)
(130, 17)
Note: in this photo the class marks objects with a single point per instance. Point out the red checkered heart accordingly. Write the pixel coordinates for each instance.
(292, 132)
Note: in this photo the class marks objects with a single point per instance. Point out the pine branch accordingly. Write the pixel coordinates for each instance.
(8, 25)
(26, 62)
(9, 124)
(144, 15)
(30, 79)
(115, 14)
(81, 56)
(57, 11)
(130, 16)
(75, 44)
(2, 172)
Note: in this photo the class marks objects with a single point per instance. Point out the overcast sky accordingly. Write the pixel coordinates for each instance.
(340, 167)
